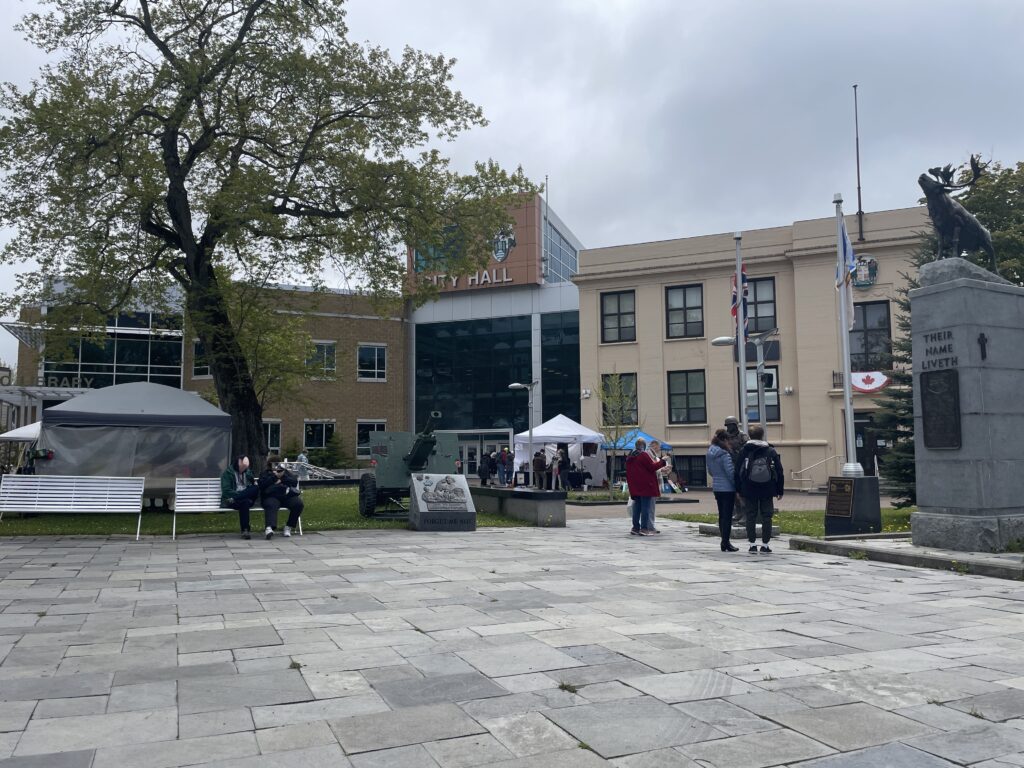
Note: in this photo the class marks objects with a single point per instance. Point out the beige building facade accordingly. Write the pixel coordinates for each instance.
(649, 312)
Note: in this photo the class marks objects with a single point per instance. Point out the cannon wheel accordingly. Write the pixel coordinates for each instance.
(367, 495)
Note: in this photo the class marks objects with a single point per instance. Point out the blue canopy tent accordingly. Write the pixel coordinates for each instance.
(627, 442)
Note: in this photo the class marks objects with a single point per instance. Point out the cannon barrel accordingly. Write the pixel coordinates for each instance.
(419, 454)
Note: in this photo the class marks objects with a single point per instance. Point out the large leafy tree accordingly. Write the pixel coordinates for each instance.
(184, 142)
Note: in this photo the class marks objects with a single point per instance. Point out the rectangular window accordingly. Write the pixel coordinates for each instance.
(684, 311)
(686, 397)
(200, 365)
(372, 362)
(771, 393)
(272, 434)
(363, 430)
(619, 401)
(317, 433)
(761, 305)
(691, 471)
(871, 337)
(618, 317)
(322, 362)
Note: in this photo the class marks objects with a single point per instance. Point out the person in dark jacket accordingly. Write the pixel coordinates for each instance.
(643, 482)
(757, 494)
(735, 438)
(485, 468)
(279, 488)
(238, 491)
(723, 483)
(540, 470)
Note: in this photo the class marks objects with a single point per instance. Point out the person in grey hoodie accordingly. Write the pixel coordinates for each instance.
(723, 483)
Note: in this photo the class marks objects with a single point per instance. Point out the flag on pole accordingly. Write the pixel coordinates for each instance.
(734, 309)
(844, 279)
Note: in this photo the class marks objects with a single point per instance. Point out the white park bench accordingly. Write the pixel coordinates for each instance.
(70, 494)
(194, 495)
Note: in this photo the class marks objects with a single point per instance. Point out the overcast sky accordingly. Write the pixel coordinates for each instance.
(656, 119)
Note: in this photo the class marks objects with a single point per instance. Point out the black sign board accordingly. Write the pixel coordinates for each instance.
(840, 497)
(940, 408)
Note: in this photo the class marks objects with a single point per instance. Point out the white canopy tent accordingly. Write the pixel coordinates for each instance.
(27, 434)
(561, 429)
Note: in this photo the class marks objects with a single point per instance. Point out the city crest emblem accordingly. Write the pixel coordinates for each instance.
(866, 273)
(504, 242)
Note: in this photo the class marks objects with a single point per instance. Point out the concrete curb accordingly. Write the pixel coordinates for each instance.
(960, 562)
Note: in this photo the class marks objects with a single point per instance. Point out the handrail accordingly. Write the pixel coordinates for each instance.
(794, 473)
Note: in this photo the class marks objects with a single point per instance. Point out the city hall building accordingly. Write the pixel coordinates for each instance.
(514, 321)
(649, 311)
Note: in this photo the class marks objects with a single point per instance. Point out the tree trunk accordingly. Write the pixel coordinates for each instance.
(232, 379)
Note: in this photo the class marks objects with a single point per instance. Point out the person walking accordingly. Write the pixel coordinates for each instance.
(279, 488)
(759, 476)
(642, 481)
(723, 484)
(238, 490)
(735, 439)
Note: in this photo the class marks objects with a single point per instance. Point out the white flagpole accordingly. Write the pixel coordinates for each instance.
(741, 337)
(851, 468)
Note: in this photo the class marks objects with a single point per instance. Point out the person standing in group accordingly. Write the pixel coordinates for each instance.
(654, 451)
(505, 468)
(759, 476)
(303, 461)
(558, 464)
(483, 469)
(723, 483)
(735, 439)
(279, 488)
(642, 480)
(238, 490)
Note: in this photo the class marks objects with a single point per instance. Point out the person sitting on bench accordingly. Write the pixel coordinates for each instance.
(279, 488)
(238, 490)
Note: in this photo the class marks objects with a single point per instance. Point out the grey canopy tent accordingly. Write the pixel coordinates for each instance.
(136, 430)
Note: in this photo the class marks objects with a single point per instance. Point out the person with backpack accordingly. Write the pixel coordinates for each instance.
(759, 477)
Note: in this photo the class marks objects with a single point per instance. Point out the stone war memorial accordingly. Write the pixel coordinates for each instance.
(967, 326)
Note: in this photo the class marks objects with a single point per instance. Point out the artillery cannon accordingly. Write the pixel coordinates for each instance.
(396, 456)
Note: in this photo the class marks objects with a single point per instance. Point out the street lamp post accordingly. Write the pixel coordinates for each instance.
(529, 420)
(758, 340)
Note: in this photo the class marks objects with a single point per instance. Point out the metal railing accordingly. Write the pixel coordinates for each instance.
(307, 471)
(794, 474)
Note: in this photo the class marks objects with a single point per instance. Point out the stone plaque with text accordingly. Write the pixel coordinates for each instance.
(441, 503)
(940, 408)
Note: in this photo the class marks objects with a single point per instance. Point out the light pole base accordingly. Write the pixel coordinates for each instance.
(852, 470)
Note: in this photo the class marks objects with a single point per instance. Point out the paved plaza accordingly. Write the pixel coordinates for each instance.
(520, 648)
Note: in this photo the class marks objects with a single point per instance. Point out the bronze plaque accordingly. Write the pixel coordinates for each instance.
(940, 409)
(840, 497)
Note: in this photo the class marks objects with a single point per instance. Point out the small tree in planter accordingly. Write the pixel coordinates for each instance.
(619, 415)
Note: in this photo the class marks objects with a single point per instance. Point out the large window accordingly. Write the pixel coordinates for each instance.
(560, 364)
(761, 305)
(686, 397)
(871, 337)
(684, 311)
(200, 363)
(771, 393)
(321, 364)
(317, 433)
(692, 471)
(618, 317)
(272, 434)
(619, 403)
(363, 430)
(372, 362)
(560, 258)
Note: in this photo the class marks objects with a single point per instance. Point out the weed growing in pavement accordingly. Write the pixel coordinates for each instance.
(568, 687)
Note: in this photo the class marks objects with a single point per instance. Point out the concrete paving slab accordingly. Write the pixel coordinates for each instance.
(433, 690)
(412, 725)
(851, 726)
(67, 734)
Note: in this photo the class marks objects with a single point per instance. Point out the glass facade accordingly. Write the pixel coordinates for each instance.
(560, 364)
(561, 260)
(463, 370)
(139, 346)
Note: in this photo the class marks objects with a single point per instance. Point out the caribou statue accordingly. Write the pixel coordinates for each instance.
(956, 229)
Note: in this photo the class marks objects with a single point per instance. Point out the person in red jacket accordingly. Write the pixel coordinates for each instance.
(642, 479)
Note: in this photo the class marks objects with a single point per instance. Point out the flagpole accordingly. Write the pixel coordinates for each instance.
(741, 336)
(851, 468)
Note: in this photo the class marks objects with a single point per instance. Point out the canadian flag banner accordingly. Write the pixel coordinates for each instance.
(868, 381)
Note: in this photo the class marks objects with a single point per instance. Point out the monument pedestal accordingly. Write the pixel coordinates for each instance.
(853, 506)
(968, 353)
(441, 503)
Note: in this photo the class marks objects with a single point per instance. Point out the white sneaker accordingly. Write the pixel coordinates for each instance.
(287, 532)
(269, 533)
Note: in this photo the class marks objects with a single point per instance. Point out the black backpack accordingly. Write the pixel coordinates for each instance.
(759, 469)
